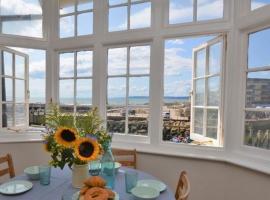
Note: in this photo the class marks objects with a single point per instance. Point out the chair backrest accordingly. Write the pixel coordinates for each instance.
(10, 170)
(183, 187)
(126, 157)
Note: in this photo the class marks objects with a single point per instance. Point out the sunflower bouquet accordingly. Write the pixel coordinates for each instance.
(74, 139)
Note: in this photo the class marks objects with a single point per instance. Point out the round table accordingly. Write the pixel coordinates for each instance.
(61, 185)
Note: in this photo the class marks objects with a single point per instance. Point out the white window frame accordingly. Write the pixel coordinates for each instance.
(14, 78)
(128, 5)
(75, 78)
(75, 14)
(128, 136)
(206, 46)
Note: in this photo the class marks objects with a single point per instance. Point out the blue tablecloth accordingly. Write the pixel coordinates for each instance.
(61, 183)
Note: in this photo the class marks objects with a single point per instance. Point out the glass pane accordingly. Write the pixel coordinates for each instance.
(116, 118)
(139, 91)
(19, 66)
(84, 92)
(210, 9)
(212, 123)
(66, 91)
(117, 61)
(255, 4)
(259, 48)
(67, 26)
(20, 115)
(181, 11)
(200, 63)
(198, 121)
(213, 91)
(257, 129)
(66, 67)
(138, 121)
(140, 60)
(85, 24)
(7, 115)
(258, 90)
(140, 15)
(8, 69)
(215, 58)
(117, 2)
(119, 13)
(84, 63)
(7, 89)
(66, 6)
(199, 92)
(85, 5)
(20, 91)
(116, 91)
(22, 17)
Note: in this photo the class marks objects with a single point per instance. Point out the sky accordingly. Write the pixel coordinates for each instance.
(178, 51)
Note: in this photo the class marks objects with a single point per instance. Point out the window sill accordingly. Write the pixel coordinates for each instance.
(15, 137)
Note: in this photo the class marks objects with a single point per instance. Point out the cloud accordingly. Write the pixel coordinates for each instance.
(20, 7)
(177, 88)
(141, 19)
(257, 4)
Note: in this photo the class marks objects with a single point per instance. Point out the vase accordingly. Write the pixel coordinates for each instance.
(79, 174)
(108, 168)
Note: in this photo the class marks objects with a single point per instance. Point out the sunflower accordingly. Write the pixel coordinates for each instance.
(66, 136)
(47, 147)
(87, 149)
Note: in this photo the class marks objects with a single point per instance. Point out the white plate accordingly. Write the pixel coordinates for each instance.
(15, 187)
(158, 185)
(145, 193)
(76, 196)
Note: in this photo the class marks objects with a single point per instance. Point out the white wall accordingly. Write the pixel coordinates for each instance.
(209, 180)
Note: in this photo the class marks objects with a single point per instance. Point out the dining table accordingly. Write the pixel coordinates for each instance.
(60, 187)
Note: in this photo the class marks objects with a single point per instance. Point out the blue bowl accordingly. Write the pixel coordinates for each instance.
(32, 172)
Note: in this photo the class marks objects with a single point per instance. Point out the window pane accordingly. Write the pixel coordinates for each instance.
(117, 2)
(259, 3)
(210, 9)
(259, 48)
(199, 95)
(140, 15)
(181, 11)
(84, 92)
(22, 17)
(198, 121)
(258, 90)
(20, 91)
(116, 91)
(201, 62)
(117, 61)
(66, 67)
(20, 115)
(139, 91)
(19, 66)
(212, 123)
(215, 58)
(140, 60)
(84, 63)
(85, 5)
(66, 6)
(67, 26)
(7, 115)
(138, 121)
(116, 118)
(66, 91)
(85, 24)
(213, 91)
(7, 89)
(257, 129)
(8, 69)
(119, 13)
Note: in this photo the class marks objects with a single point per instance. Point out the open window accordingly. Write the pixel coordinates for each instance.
(206, 103)
(14, 89)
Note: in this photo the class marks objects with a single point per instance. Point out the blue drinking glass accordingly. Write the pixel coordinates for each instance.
(131, 179)
(44, 174)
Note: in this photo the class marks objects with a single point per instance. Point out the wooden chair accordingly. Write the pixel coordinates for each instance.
(10, 170)
(183, 187)
(127, 158)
